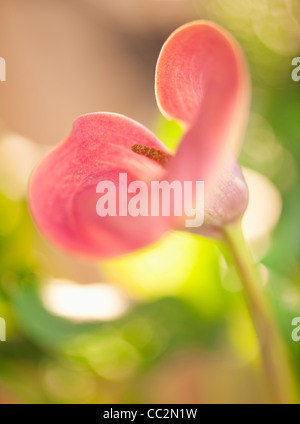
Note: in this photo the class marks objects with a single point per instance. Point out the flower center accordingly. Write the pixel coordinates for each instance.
(162, 158)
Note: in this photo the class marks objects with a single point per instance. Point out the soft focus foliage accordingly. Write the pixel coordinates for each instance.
(185, 334)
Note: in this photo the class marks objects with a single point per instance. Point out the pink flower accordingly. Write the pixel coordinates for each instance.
(201, 81)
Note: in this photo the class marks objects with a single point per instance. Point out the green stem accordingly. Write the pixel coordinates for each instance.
(274, 358)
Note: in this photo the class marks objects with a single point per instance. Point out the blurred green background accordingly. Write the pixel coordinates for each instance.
(167, 324)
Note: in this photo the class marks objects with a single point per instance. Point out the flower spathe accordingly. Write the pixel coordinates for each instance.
(201, 81)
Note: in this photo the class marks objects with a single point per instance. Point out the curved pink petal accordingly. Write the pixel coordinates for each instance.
(202, 80)
(63, 196)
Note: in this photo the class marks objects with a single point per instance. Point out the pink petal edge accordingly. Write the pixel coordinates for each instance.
(62, 195)
(202, 80)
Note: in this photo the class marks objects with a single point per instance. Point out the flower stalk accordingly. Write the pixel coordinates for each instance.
(275, 362)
